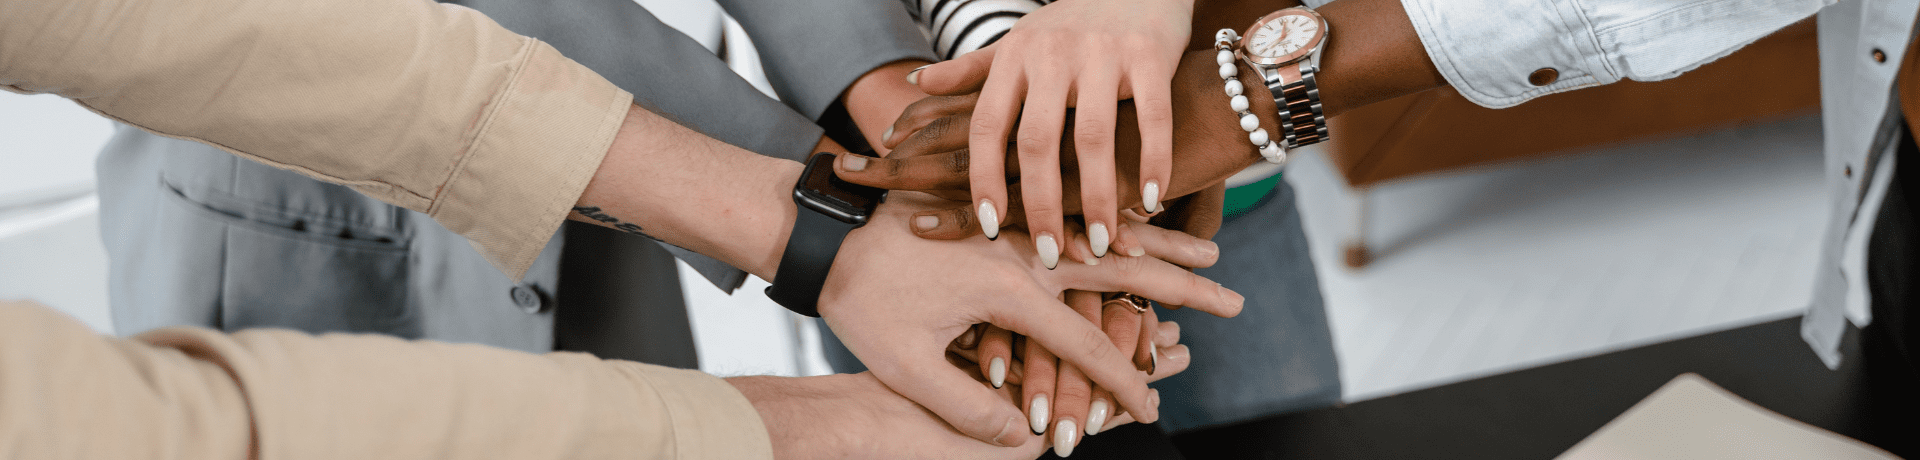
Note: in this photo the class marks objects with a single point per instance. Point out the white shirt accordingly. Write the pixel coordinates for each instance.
(1487, 49)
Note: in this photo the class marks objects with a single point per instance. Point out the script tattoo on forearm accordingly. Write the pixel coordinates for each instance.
(595, 213)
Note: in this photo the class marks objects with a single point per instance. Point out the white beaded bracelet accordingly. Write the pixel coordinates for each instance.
(1229, 69)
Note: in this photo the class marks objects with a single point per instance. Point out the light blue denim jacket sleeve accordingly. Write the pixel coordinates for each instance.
(1487, 48)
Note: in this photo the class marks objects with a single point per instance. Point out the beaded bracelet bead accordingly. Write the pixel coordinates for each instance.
(1223, 41)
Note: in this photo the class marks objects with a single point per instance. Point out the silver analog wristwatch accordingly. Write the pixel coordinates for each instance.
(1285, 47)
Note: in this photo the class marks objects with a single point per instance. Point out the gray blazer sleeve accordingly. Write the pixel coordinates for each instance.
(814, 49)
(668, 73)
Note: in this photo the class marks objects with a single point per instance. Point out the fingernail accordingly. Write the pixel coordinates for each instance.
(1229, 297)
(926, 222)
(1153, 403)
(1150, 197)
(853, 162)
(884, 137)
(969, 339)
(1097, 234)
(997, 372)
(1049, 250)
(989, 220)
(1208, 250)
(1064, 437)
(1155, 367)
(1097, 417)
(913, 77)
(1008, 434)
(1136, 251)
(1037, 414)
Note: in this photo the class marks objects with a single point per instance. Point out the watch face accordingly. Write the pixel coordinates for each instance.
(1284, 36)
(822, 191)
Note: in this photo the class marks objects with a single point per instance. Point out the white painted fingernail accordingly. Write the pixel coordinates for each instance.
(1097, 417)
(1150, 197)
(1155, 352)
(1064, 437)
(1097, 234)
(886, 135)
(852, 162)
(997, 372)
(913, 77)
(1037, 414)
(989, 220)
(1049, 250)
(926, 222)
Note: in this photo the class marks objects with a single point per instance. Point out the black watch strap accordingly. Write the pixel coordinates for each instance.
(803, 269)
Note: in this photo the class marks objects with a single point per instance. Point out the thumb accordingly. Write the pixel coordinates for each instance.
(970, 406)
(961, 75)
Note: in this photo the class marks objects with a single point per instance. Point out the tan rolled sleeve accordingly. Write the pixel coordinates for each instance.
(199, 394)
(427, 106)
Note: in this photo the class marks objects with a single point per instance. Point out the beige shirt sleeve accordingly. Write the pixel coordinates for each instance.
(430, 107)
(191, 393)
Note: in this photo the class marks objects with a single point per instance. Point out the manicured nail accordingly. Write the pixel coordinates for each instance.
(989, 220)
(1150, 197)
(1049, 250)
(1064, 437)
(1037, 414)
(1097, 235)
(1008, 436)
(926, 222)
(886, 136)
(853, 162)
(997, 372)
(913, 77)
(1155, 367)
(969, 338)
(1097, 417)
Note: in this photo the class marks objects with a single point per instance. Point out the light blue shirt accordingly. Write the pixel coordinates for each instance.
(1487, 49)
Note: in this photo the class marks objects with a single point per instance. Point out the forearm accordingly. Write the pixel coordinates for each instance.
(663, 180)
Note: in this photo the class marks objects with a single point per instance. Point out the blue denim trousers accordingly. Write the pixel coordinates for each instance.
(1275, 357)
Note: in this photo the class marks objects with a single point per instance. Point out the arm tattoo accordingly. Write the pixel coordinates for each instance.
(594, 212)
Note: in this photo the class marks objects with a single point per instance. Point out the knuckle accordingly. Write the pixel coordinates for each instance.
(959, 162)
(1089, 136)
(1098, 346)
(1035, 144)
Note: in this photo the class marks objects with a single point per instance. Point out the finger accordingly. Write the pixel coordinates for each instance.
(1125, 242)
(1149, 353)
(1073, 394)
(949, 392)
(987, 143)
(1177, 248)
(1093, 129)
(1154, 279)
(1177, 359)
(959, 75)
(1038, 144)
(1071, 338)
(959, 222)
(1197, 214)
(1078, 248)
(1041, 371)
(996, 350)
(1166, 334)
(1123, 326)
(970, 339)
(1153, 102)
(925, 111)
(946, 171)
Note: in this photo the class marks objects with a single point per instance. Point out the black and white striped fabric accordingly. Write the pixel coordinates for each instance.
(958, 26)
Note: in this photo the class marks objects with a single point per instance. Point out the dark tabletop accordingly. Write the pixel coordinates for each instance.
(1540, 412)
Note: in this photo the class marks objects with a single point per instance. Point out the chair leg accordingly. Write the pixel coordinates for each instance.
(1357, 254)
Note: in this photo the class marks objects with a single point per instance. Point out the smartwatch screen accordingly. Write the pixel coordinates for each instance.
(823, 191)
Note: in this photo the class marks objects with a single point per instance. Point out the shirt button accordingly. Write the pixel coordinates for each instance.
(1879, 56)
(1543, 77)
(529, 299)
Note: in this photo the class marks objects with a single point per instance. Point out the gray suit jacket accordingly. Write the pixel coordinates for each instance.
(199, 237)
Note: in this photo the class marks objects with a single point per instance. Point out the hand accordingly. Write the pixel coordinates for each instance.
(855, 416)
(897, 300)
(1039, 375)
(1088, 55)
(932, 150)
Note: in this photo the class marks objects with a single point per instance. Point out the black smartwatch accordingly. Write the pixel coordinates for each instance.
(828, 209)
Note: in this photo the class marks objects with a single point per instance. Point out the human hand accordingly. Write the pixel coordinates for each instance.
(1087, 55)
(932, 150)
(897, 300)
